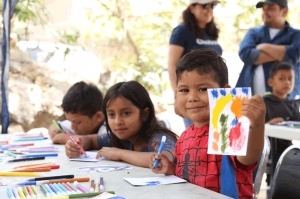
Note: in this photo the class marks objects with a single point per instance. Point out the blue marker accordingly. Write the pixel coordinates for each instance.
(28, 183)
(62, 192)
(10, 193)
(54, 189)
(51, 193)
(38, 155)
(161, 146)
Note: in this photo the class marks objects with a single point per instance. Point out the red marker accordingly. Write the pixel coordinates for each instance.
(81, 149)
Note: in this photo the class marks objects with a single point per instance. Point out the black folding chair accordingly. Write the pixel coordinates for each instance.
(286, 180)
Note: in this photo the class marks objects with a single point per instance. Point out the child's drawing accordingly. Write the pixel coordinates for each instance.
(228, 130)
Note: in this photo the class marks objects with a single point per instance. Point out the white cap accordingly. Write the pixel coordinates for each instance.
(202, 1)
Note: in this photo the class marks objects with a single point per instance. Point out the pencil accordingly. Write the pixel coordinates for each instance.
(19, 174)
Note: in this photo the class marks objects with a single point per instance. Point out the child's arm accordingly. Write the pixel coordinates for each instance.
(61, 138)
(136, 158)
(255, 110)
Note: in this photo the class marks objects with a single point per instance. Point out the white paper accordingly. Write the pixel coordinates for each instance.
(91, 157)
(151, 181)
(105, 168)
(106, 195)
(228, 128)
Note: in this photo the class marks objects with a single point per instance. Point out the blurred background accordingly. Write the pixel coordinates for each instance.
(55, 43)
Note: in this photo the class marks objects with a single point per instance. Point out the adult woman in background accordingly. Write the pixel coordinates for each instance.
(198, 30)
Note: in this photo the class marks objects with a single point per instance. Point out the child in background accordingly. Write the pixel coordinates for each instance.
(134, 132)
(196, 72)
(278, 106)
(82, 106)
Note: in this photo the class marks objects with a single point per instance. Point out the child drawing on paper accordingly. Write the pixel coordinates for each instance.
(134, 132)
(228, 127)
(231, 175)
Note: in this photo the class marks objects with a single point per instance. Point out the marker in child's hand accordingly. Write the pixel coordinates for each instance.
(56, 125)
(81, 149)
(162, 143)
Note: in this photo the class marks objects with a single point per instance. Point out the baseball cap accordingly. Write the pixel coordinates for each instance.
(282, 3)
(202, 1)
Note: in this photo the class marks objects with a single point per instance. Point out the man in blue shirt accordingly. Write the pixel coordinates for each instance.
(264, 45)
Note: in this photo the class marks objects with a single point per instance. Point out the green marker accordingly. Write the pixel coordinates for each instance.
(86, 195)
(56, 125)
(10, 154)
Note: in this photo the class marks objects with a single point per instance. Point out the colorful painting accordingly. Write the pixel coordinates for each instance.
(229, 129)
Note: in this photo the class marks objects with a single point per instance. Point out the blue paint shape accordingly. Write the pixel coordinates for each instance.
(215, 93)
(233, 92)
(152, 183)
(234, 122)
(245, 90)
(223, 92)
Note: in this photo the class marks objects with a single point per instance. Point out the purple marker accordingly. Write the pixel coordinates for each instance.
(81, 188)
(54, 189)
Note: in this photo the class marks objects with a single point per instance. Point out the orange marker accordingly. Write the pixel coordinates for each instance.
(33, 169)
(67, 180)
(32, 165)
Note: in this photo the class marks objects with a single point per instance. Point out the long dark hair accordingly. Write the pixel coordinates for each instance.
(139, 97)
(191, 22)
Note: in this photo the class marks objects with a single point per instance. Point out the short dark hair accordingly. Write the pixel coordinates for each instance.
(139, 97)
(83, 98)
(205, 61)
(277, 66)
(190, 21)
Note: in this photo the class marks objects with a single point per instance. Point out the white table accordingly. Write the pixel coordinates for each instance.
(113, 181)
(282, 132)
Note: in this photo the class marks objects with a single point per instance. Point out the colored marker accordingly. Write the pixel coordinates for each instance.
(25, 159)
(45, 192)
(92, 189)
(101, 185)
(15, 191)
(68, 188)
(33, 155)
(21, 193)
(38, 195)
(29, 139)
(81, 149)
(81, 188)
(88, 195)
(74, 188)
(33, 169)
(10, 193)
(26, 193)
(54, 189)
(34, 165)
(51, 177)
(161, 146)
(3, 173)
(97, 186)
(30, 192)
(49, 190)
(68, 180)
(58, 188)
(63, 188)
(56, 125)
(10, 154)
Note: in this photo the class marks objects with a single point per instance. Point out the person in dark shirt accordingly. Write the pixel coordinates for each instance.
(279, 107)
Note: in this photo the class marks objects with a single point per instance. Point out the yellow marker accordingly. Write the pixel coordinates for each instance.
(21, 194)
(19, 174)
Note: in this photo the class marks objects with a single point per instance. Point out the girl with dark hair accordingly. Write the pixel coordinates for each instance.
(198, 30)
(134, 132)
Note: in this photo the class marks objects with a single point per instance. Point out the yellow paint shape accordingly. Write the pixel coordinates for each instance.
(220, 105)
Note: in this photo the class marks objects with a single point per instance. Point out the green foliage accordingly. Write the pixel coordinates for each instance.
(224, 138)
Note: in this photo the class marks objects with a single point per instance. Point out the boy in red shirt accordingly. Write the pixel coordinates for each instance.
(196, 72)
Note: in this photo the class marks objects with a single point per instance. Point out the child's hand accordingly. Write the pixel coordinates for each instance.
(255, 110)
(72, 149)
(275, 120)
(109, 153)
(164, 166)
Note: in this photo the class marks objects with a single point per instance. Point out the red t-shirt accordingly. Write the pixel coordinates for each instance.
(196, 166)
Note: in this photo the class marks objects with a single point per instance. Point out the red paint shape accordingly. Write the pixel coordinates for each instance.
(237, 137)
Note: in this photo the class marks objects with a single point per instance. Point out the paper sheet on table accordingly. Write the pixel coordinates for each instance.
(91, 157)
(106, 195)
(105, 168)
(151, 181)
(228, 128)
